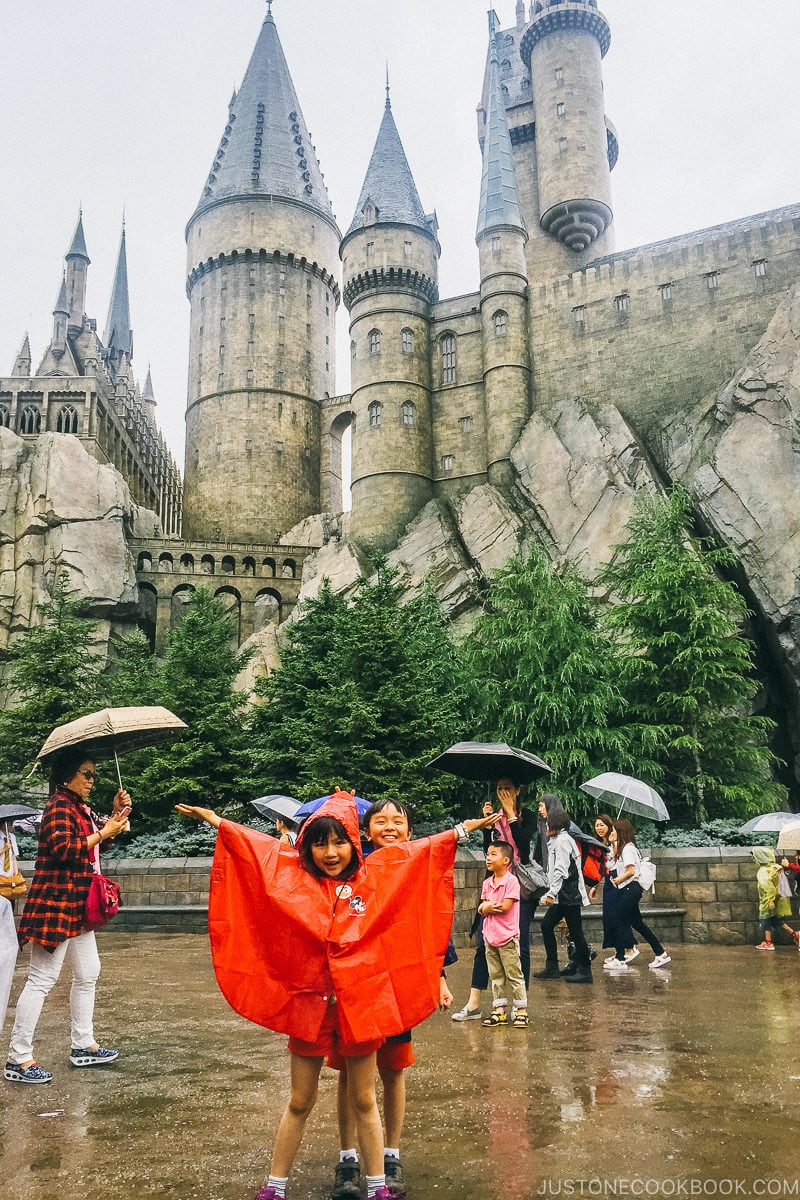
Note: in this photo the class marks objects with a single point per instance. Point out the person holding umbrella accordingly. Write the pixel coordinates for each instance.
(53, 917)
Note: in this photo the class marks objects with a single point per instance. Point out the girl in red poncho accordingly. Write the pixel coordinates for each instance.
(338, 953)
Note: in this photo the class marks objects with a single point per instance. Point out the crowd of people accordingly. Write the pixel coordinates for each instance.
(338, 936)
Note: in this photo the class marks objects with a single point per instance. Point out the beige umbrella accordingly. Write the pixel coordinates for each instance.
(112, 731)
(789, 836)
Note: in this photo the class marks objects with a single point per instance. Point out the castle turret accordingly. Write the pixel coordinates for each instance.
(148, 397)
(119, 335)
(262, 250)
(60, 318)
(390, 255)
(501, 238)
(22, 363)
(77, 266)
(563, 48)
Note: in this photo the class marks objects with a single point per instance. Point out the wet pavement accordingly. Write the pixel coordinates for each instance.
(677, 1083)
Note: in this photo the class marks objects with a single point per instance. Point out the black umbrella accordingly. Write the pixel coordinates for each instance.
(490, 761)
(15, 812)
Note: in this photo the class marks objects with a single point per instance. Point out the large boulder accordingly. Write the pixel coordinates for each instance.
(62, 510)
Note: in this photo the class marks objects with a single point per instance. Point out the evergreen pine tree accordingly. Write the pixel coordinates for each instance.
(48, 676)
(545, 677)
(686, 666)
(366, 695)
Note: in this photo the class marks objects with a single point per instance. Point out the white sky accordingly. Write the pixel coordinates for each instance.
(108, 103)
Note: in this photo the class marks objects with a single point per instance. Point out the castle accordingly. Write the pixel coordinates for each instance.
(442, 389)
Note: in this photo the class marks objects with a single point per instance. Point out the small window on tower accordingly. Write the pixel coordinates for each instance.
(374, 341)
(370, 249)
(622, 303)
(448, 461)
(375, 413)
(500, 323)
(408, 413)
(561, 109)
(562, 145)
(559, 76)
(497, 247)
(712, 281)
(407, 249)
(448, 349)
(465, 424)
(407, 341)
(579, 313)
(665, 292)
(760, 268)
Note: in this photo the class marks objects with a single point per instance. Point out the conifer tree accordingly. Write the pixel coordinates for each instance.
(686, 666)
(366, 694)
(48, 676)
(545, 677)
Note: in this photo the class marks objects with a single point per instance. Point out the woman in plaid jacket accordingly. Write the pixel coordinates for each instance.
(52, 919)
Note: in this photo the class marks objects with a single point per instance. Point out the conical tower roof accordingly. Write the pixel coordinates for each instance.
(22, 364)
(77, 247)
(266, 148)
(389, 185)
(119, 335)
(499, 205)
(62, 304)
(148, 395)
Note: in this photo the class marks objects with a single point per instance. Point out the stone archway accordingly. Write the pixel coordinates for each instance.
(336, 463)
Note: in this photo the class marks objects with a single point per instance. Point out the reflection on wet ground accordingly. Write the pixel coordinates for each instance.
(677, 1083)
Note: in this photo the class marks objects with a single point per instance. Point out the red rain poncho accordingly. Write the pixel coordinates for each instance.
(283, 941)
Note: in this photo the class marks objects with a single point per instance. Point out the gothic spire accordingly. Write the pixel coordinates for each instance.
(119, 335)
(148, 395)
(62, 305)
(22, 365)
(499, 204)
(266, 148)
(389, 193)
(77, 247)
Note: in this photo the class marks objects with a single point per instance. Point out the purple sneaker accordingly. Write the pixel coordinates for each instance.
(267, 1193)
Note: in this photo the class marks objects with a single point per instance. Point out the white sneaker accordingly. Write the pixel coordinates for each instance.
(608, 963)
(660, 960)
(617, 967)
(466, 1014)
(631, 954)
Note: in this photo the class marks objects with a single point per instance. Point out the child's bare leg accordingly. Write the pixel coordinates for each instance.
(344, 1115)
(364, 1107)
(394, 1104)
(304, 1083)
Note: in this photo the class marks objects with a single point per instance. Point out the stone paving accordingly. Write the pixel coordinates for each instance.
(677, 1083)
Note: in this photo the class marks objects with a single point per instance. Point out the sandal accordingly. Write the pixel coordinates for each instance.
(496, 1018)
(521, 1021)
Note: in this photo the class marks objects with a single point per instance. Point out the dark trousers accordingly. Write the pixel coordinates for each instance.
(480, 971)
(626, 916)
(571, 913)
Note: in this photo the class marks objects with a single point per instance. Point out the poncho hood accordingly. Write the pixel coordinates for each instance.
(764, 856)
(342, 807)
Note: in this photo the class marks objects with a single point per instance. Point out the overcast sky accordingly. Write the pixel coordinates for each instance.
(111, 104)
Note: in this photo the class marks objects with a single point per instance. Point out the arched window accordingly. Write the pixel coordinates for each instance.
(30, 420)
(375, 413)
(374, 341)
(408, 413)
(407, 341)
(500, 323)
(165, 564)
(248, 566)
(268, 568)
(5, 416)
(187, 564)
(67, 420)
(144, 562)
(289, 568)
(448, 349)
(207, 564)
(505, 65)
(228, 565)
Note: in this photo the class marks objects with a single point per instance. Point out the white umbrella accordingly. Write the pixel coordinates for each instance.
(627, 794)
(768, 822)
(789, 836)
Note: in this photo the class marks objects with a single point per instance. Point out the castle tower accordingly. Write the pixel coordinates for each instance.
(77, 266)
(563, 48)
(390, 256)
(22, 363)
(60, 318)
(119, 335)
(262, 249)
(501, 238)
(149, 397)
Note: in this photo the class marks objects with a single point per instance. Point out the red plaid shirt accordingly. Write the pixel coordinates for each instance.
(56, 900)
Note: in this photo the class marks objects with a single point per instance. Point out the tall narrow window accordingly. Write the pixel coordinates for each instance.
(374, 341)
(448, 462)
(579, 314)
(497, 247)
(375, 411)
(448, 346)
(67, 420)
(561, 109)
(760, 268)
(30, 420)
(408, 413)
(370, 249)
(500, 323)
(622, 303)
(5, 417)
(465, 424)
(407, 341)
(559, 76)
(712, 281)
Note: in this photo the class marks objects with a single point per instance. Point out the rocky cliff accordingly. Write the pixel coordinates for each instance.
(61, 509)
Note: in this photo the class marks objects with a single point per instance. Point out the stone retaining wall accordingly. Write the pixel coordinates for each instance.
(702, 895)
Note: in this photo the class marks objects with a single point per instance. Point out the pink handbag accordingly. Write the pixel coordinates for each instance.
(103, 902)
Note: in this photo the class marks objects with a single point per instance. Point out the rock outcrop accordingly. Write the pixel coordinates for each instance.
(62, 510)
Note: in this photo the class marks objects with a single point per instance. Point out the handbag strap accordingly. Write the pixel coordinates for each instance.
(504, 826)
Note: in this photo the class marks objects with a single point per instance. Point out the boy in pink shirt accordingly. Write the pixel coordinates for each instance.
(499, 908)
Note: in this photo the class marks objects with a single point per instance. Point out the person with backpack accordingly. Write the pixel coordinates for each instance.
(626, 914)
(565, 897)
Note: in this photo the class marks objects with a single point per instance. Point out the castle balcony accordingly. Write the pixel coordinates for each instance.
(258, 584)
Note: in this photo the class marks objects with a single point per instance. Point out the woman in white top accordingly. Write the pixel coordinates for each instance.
(625, 878)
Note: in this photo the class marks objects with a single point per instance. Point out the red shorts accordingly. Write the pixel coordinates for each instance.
(395, 1054)
(329, 1041)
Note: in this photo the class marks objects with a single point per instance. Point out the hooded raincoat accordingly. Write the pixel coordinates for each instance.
(284, 942)
(767, 880)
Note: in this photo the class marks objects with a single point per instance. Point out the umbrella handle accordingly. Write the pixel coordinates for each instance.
(119, 779)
